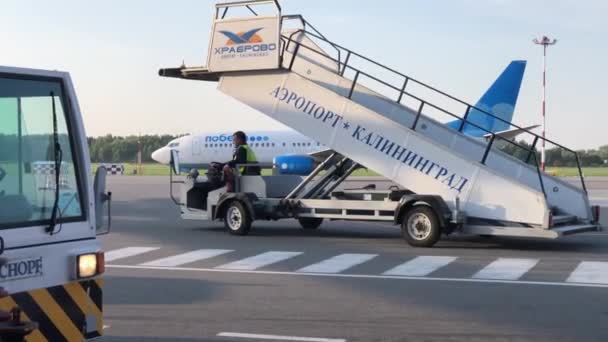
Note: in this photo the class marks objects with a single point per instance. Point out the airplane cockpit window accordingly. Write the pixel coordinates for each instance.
(174, 144)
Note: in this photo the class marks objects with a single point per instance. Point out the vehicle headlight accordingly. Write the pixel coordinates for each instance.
(90, 265)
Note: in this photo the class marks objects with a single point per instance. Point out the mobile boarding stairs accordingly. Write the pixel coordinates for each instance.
(371, 115)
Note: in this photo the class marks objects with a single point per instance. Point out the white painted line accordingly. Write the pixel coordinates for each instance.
(590, 272)
(279, 337)
(259, 260)
(186, 258)
(358, 276)
(506, 269)
(338, 263)
(127, 252)
(420, 266)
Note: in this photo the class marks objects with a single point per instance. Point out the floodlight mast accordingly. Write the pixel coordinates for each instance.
(545, 42)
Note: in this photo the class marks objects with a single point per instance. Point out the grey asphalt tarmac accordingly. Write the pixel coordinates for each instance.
(174, 280)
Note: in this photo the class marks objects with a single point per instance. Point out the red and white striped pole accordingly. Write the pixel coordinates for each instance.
(544, 41)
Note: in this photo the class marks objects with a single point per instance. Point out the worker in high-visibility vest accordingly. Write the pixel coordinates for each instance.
(242, 154)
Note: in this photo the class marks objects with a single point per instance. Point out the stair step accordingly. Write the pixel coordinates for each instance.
(574, 229)
(561, 219)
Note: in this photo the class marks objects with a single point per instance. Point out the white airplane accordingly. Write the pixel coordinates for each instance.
(198, 151)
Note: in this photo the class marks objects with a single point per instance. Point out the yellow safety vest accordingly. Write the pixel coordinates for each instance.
(251, 158)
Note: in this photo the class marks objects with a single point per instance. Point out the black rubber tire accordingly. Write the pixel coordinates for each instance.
(234, 225)
(435, 228)
(310, 223)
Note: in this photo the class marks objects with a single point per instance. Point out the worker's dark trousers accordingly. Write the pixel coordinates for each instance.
(229, 178)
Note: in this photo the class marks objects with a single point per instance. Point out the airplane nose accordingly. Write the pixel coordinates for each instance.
(162, 155)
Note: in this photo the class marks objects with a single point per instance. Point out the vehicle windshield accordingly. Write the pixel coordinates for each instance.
(27, 163)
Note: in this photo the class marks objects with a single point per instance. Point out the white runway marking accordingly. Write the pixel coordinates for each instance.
(127, 252)
(259, 261)
(359, 276)
(279, 337)
(506, 269)
(338, 263)
(186, 258)
(590, 272)
(420, 266)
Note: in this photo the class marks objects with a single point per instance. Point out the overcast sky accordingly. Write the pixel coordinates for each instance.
(113, 49)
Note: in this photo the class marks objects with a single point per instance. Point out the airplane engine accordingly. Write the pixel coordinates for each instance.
(294, 164)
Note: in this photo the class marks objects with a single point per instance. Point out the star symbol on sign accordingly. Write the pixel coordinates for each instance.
(346, 125)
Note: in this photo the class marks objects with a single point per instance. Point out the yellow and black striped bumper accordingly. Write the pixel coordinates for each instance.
(69, 312)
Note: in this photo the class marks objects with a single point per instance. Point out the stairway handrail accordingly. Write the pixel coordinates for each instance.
(343, 65)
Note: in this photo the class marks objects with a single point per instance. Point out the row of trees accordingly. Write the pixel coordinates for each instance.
(107, 149)
(558, 157)
(124, 149)
(115, 149)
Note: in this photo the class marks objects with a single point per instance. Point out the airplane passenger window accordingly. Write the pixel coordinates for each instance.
(283, 144)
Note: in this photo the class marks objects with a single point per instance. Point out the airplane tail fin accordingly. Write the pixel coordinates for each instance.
(499, 99)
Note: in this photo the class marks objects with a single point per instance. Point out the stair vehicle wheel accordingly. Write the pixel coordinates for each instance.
(237, 219)
(420, 227)
(310, 223)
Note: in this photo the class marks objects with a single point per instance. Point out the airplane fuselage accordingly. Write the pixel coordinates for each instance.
(199, 150)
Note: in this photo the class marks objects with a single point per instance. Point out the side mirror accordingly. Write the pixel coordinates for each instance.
(175, 161)
(101, 199)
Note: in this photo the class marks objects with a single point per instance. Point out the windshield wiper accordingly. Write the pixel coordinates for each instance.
(57, 156)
